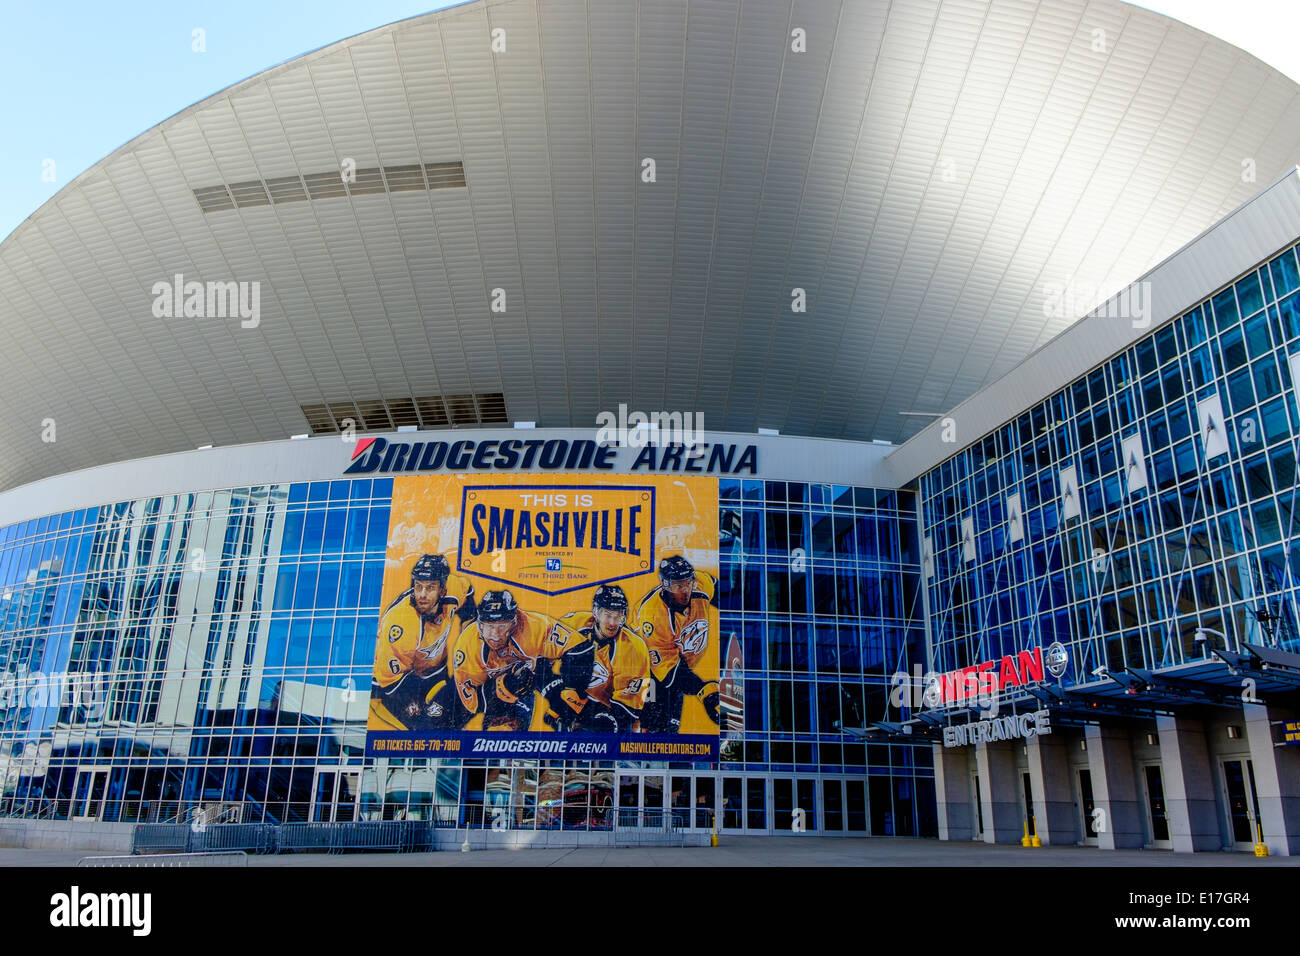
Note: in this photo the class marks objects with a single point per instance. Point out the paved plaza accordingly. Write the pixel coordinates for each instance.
(741, 851)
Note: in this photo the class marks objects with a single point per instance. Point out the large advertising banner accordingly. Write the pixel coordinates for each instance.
(564, 617)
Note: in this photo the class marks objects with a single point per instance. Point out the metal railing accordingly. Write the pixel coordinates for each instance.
(227, 858)
(398, 836)
(642, 827)
(621, 826)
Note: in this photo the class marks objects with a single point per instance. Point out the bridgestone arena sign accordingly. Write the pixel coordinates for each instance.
(1011, 727)
(381, 456)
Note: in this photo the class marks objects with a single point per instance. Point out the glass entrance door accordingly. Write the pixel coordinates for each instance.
(733, 803)
(629, 798)
(1157, 818)
(642, 798)
(1027, 788)
(1087, 806)
(679, 801)
(1243, 809)
(833, 804)
(88, 792)
(705, 803)
(347, 796)
(652, 799)
(334, 799)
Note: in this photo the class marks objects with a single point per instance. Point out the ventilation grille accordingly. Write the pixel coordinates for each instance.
(330, 185)
(431, 411)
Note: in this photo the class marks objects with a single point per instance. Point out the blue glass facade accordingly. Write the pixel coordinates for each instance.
(215, 649)
(1149, 511)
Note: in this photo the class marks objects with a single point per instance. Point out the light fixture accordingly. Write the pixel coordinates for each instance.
(1202, 637)
(1153, 740)
(1234, 732)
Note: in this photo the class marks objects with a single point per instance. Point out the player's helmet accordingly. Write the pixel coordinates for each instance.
(497, 606)
(675, 568)
(611, 597)
(431, 567)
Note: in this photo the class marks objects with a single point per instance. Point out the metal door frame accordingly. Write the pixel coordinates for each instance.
(1084, 819)
(1252, 816)
(90, 772)
(332, 801)
(1166, 844)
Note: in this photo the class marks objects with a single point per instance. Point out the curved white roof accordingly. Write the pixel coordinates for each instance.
(922, 171)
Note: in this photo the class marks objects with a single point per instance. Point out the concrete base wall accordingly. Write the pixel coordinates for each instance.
(996, 765)
(453, 840)
(1055, 814)
(115, 838)
(66, 835)
(1115, 788)
(953, 798)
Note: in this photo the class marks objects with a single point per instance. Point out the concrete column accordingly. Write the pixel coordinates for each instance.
(1188, 777)
(1277, 780)
(1115, 788)
(996, 765)
(1052, 787)
(953, 793)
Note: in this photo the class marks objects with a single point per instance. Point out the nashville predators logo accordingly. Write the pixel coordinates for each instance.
(695, 636)
(434, 709)
(434, 651)
(394, 634)
(599, 674)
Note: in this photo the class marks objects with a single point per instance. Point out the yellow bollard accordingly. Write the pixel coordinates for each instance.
(1025, 841)
(1261, 848)
(1036, 841)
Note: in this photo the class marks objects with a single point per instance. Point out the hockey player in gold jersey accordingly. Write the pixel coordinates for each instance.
(496, 663)
(411, 688)
(611, 693)
(678, 621)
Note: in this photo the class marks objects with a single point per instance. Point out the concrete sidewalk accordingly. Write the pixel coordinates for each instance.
(741, 851)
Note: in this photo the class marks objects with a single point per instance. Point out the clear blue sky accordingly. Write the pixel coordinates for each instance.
(79, 79)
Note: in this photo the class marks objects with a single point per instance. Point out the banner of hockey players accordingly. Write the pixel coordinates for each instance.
(555, 616)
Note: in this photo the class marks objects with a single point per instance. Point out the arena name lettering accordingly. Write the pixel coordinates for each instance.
(573, 746)
(602, 530)
(381, 456)
(1011, 727)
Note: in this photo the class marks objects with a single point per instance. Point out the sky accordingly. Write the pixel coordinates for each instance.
(82, 78)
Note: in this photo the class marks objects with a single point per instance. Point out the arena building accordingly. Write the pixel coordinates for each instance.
(981, 569)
